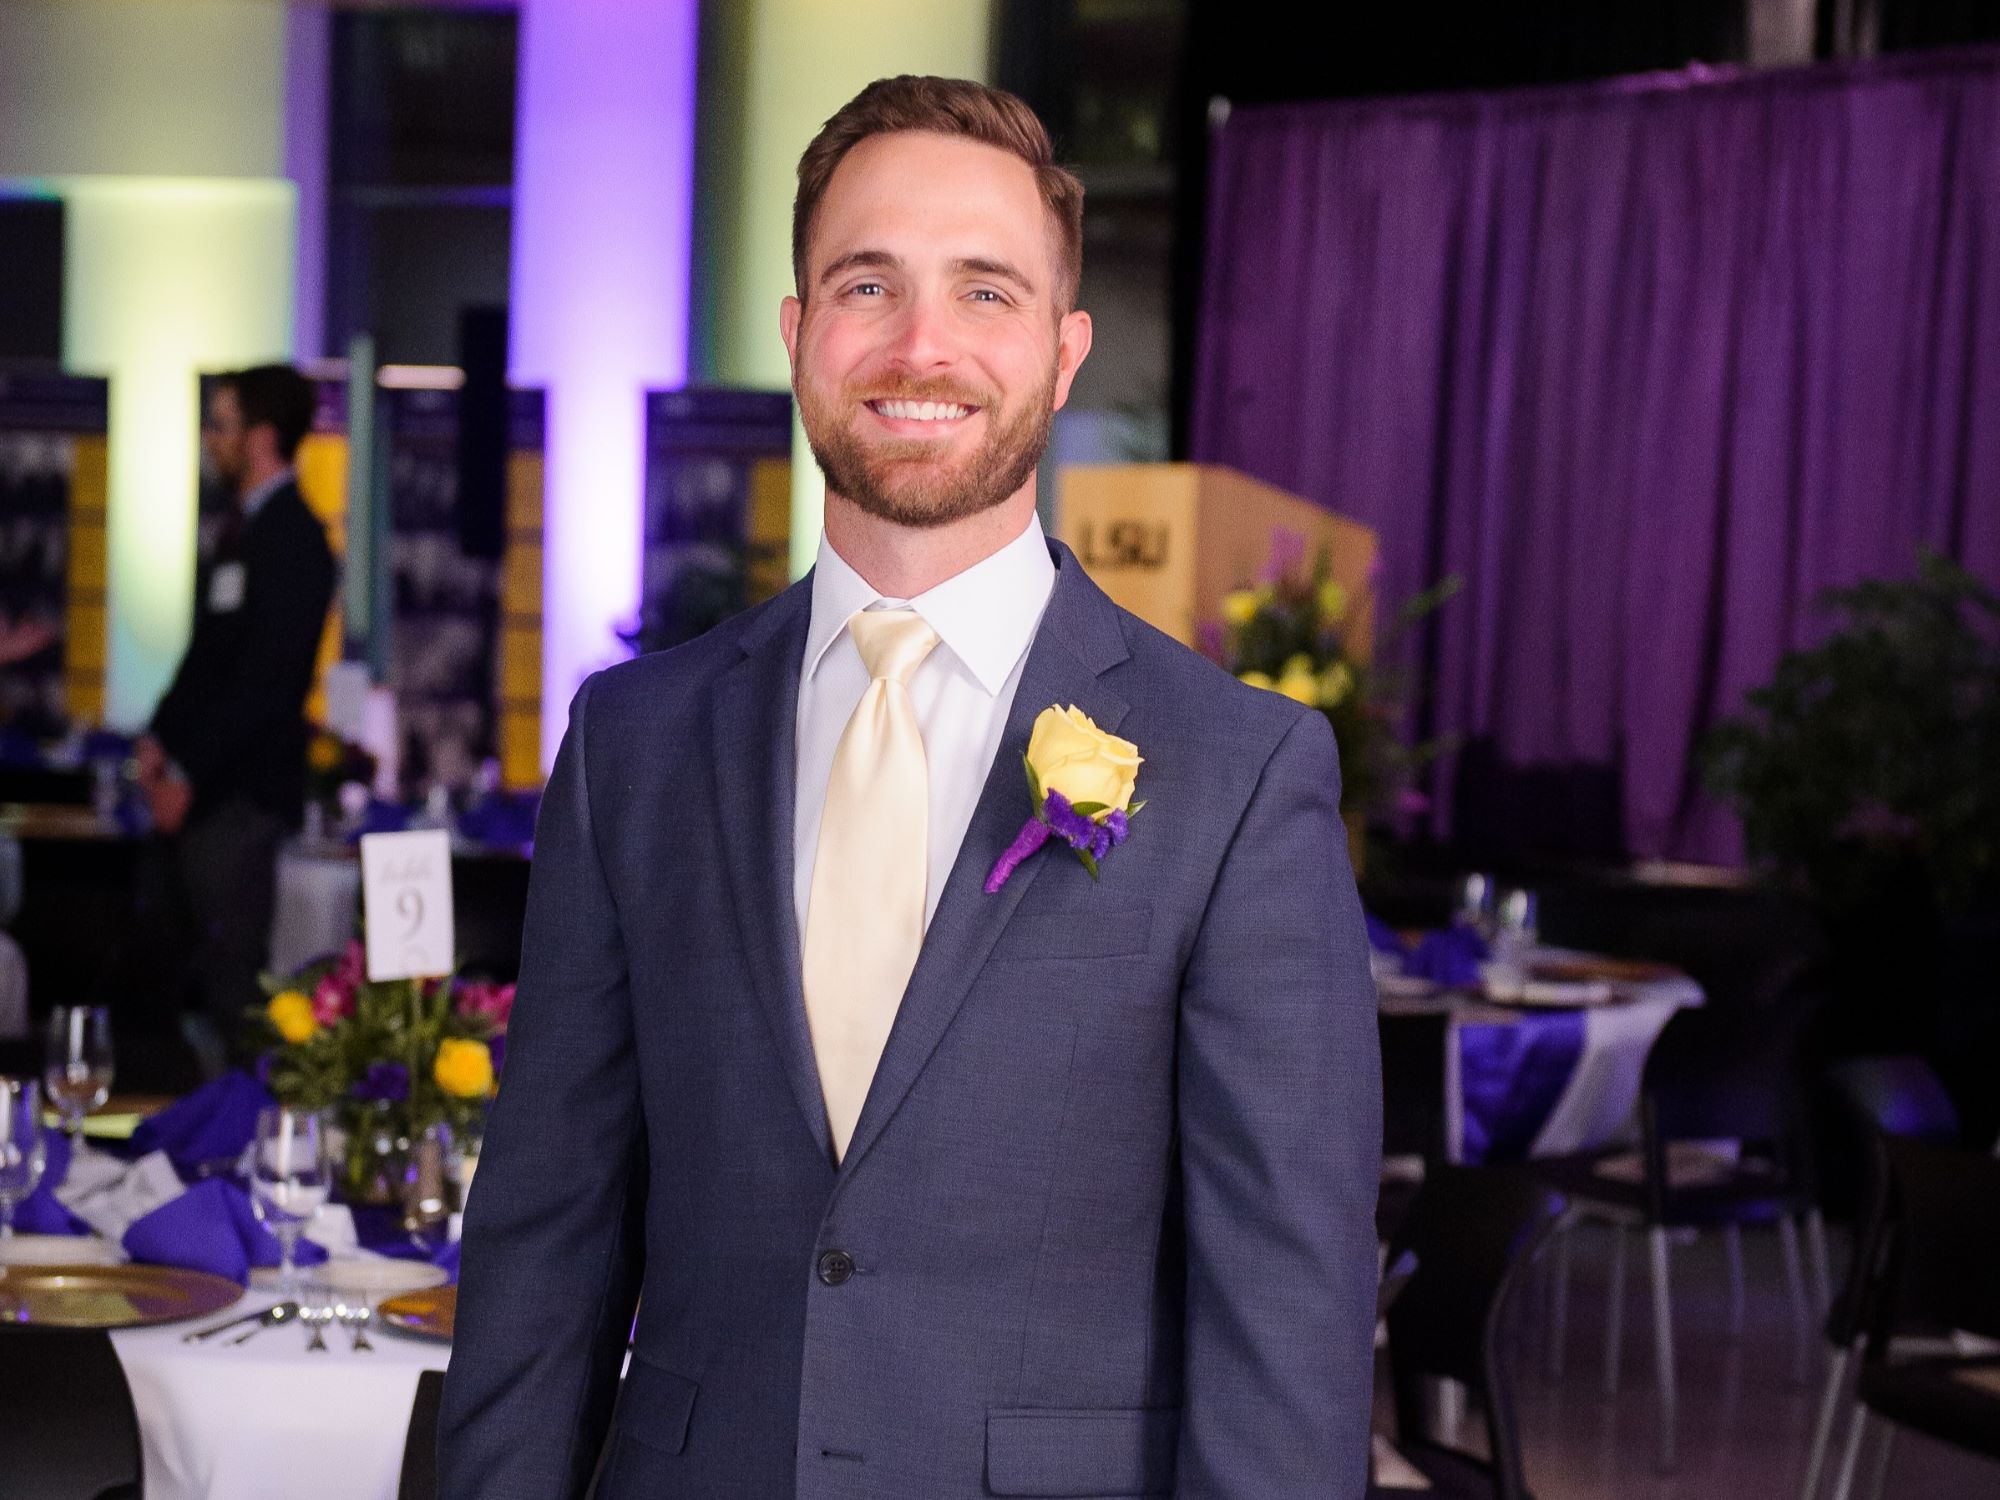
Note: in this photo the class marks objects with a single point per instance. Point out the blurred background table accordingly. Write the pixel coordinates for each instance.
(1468, 1080)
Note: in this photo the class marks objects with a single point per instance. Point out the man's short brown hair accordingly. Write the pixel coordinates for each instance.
(954, 107)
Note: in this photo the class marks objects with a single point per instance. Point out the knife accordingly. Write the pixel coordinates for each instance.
(223, 1327)
(271, 1317)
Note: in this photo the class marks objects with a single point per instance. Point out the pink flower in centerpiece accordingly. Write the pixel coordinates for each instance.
(491, 1003)
(353, 965)
(331, 1000)
(333, 996)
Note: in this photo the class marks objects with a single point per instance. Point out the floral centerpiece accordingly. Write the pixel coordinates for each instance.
(1291, 634)
(388, 1060)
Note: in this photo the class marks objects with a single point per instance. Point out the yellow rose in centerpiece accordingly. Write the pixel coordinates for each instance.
(463, 1069)
(1300, 684)
(1254, 678)
(1240, 607)
(1335, 683)
(1071, 755)
(1332, 601)
(292, 1013)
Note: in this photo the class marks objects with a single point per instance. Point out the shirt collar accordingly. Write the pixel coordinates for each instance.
(986, 615)
(254, 501)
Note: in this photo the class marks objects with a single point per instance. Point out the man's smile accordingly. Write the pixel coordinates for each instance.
(905, 418)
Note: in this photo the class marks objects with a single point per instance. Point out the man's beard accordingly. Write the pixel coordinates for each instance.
(903, 481)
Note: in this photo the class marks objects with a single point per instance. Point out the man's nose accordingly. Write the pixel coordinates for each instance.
(924, 338)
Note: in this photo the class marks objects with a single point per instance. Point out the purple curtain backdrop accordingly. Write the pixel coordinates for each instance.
(1649, 363)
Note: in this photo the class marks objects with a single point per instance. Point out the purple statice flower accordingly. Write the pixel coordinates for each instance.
(384, 1082)
(1059, 820)
(496, 1048)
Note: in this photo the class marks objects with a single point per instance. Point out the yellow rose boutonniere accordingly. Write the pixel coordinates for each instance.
(464, 1069)
(1080, 782)
(1071, 755)
(292, 1013)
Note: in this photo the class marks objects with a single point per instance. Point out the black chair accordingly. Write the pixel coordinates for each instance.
(1881, 1097)
(1940, 1274)
(420, 1459)
(67, 1427)
(1470, 1229)
(1413, 1109)
(1714, 1074)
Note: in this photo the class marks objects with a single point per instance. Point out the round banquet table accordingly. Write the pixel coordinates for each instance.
(266, 1418)
(1528, 1081)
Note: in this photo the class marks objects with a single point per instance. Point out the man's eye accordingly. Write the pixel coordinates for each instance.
(987, 294)
(865, 286)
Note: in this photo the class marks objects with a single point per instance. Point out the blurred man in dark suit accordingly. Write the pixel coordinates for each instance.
(223, 764)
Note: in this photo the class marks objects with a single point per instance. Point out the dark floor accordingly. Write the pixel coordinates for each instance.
(1745, 1427)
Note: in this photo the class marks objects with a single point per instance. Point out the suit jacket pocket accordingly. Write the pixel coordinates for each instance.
(1084, 931)
(1056, 1453)
(654, 1407)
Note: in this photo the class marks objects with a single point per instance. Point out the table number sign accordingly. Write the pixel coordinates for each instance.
(406, 898)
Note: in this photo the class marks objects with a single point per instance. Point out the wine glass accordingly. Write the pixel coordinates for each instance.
(1476, 895)
(290, 1176)
(77, 1068)
(23, 1153)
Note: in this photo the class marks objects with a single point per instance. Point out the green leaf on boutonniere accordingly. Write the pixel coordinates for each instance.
(1034, 785)
(1089, 861)
(1133, 808)
(1089, 809)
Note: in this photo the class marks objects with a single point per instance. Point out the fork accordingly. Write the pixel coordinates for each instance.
(355, 1320)
(316, 1318)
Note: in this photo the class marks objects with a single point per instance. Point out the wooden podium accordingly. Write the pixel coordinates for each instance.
(1167, 541)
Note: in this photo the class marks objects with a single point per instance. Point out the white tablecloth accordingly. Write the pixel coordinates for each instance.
(318, 905)
(266, 1420)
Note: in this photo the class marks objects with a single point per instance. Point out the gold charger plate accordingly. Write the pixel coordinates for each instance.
(428, 1314)
(78, 1296)
(1587, 969)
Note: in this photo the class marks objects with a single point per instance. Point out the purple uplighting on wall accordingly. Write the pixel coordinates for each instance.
(603, 207)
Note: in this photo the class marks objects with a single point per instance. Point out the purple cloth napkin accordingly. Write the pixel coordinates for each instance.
(380, 1228)
(210, 1227)
(40, 1212)
(1450, 958)
(1382, 937)
(214, 1123)
(380, 817)
(504, 819)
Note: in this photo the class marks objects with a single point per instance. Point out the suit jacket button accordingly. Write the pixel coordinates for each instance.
(835, 1267)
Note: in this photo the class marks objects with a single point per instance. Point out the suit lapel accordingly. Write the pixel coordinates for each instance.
(1078, 639)
(756, 726)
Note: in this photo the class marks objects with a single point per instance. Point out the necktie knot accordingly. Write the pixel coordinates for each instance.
(893, 642)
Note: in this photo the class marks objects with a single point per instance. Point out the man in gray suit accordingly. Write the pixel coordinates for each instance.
(972, 1132)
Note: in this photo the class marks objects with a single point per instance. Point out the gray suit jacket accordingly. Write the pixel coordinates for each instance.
(1106, 1223)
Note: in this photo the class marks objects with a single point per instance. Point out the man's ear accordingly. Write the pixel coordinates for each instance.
(790, 312)
(1072, 344)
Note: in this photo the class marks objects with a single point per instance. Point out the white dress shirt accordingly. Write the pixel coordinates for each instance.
(985, 619)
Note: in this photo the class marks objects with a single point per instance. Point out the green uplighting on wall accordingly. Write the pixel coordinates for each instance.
(164, 279)
(793, 63)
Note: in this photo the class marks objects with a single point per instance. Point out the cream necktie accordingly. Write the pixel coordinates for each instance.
(865, 915)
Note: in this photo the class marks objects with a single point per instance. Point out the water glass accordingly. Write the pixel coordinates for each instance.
(76, 1070)
(1520, 924)
(291, 1174)
(1476, 895)
(23, 1152)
